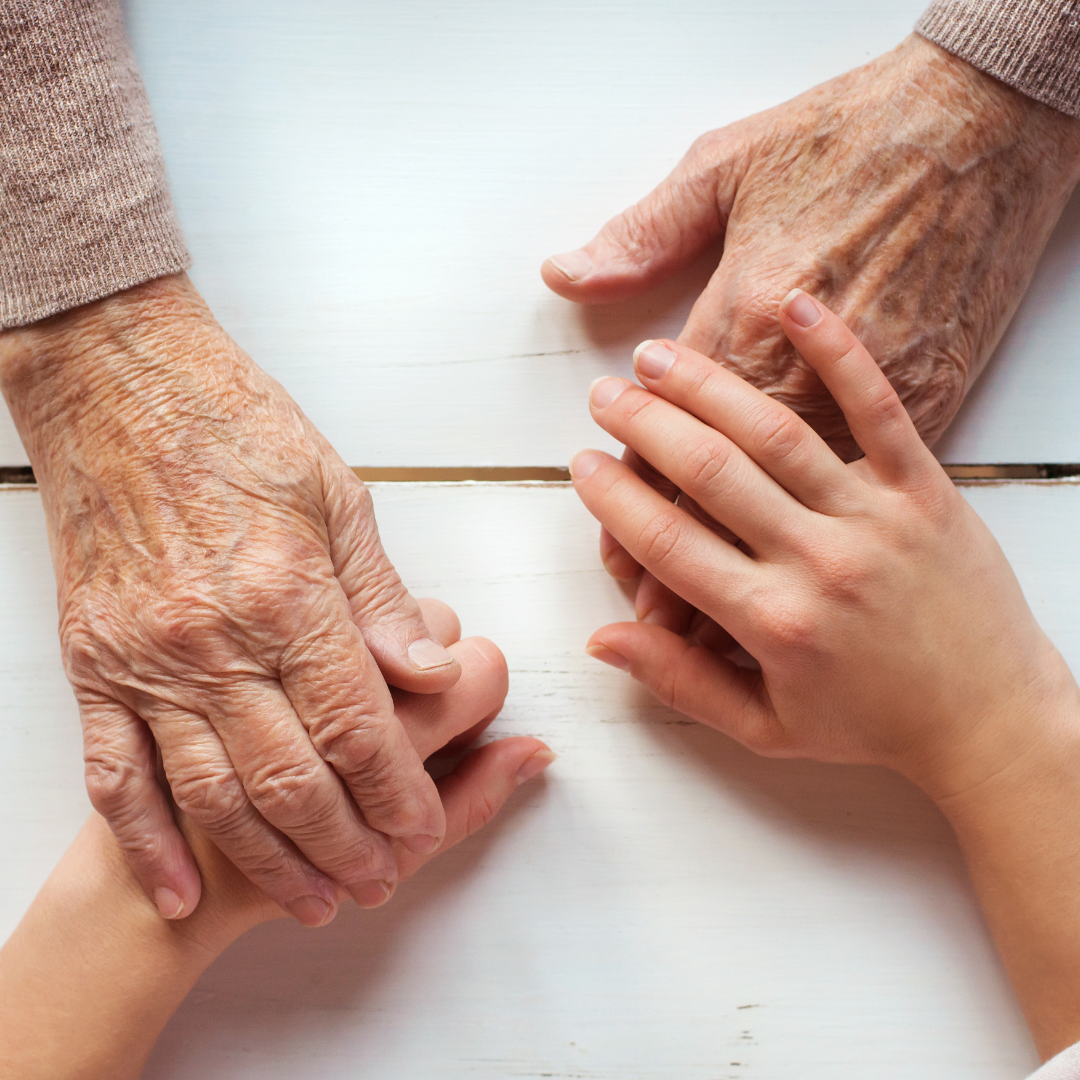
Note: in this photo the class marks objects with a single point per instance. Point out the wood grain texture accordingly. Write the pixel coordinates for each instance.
(369, 190)
(663, 905)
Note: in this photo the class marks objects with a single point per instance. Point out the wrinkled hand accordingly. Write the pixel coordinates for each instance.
(887, 625)
(224, 599)
(438, 725)
(913, 196)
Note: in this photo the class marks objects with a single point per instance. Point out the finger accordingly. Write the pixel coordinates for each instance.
(206, 788)
(773, 436)
(387, 614)
(339, 694)
(693, 681)
(701, 461)
(433, 720)
(875, 414)
(616, 559)
(655, 603)
(441, 620)
(478, 788)
(689, 559)
(121, 779)
(709, 634)
(298, 793)
(665, 231)
(614, 556)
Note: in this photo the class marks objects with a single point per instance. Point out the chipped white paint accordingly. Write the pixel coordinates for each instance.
(623, 914)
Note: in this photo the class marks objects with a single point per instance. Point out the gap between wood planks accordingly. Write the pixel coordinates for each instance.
(22, 476)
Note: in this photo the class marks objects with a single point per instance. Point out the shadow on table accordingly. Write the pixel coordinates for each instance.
(282, 988)
(661, 312)
(278, 982)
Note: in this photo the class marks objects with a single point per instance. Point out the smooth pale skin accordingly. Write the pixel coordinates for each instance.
(93, 972)
(225, 599)
(913, 196)
(886, 624)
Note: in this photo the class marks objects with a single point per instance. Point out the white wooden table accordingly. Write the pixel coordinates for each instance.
(368, 190)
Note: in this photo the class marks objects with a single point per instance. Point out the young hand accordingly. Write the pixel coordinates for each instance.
(886, 622)
(437, 725)
(93, 971)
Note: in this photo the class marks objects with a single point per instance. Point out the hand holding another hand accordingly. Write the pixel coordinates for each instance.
(438, 725)
(92, 973)
(885, 622)
(913, 196)
(225, 600)
(844, 582)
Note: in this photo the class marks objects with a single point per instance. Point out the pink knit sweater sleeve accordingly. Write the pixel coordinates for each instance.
(1032, 45)
(85, 209)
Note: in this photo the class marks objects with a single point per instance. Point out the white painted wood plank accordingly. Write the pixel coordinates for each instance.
(624, 913)
(369, 189)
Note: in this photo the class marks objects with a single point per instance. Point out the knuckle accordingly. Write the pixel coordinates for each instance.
(787, 626)
(289, 795)
(212, 798)
(264, 860)
(634, 232)
(356, 497)
(349, 737)
(705, 149)
(883, 407)
(708, 466)
(382, 593)
(766, 737)
(661, 538)
(109, 784)
(779, 434)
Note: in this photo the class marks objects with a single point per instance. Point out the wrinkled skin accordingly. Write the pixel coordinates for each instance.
(438, 725)
(913, 196)
(224, 600)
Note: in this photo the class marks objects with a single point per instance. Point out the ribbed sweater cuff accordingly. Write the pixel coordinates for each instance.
(1031, 45)
(85, 209)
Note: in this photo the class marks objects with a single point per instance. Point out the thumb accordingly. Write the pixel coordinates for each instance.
(409, 655)
(661, 234)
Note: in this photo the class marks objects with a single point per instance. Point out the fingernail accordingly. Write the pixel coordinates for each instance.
(310, 910)
(605, 390)
(585, 464)
(372, 894)
(574, 265)
(535, 765)
(608, 656)
(653, 359)
(800, 308)
(425, 653)
(421, 844)
(169, 904)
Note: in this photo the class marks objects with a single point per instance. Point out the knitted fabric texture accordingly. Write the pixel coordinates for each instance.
(85, 209)
(1031, 45)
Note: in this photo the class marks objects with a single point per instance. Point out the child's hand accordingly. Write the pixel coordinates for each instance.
(888, 626)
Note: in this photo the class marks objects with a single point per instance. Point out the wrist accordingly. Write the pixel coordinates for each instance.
(1019, 832)
(993, 116)
(91, 360)
(1007, 751)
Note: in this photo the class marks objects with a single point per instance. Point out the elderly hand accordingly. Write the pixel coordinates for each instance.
(224, 600)
(913, 196)
(91, 974)
(439, 725)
